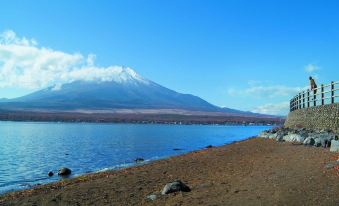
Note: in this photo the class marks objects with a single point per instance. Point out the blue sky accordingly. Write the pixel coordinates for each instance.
(248, 55)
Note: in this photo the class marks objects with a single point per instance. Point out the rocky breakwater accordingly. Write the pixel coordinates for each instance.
(317, 138)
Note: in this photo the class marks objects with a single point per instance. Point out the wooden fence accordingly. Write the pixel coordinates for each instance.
(325, 94)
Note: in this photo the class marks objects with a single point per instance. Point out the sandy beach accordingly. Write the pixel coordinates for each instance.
(252, 172)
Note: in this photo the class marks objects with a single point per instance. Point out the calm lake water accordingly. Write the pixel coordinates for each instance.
(29, 150)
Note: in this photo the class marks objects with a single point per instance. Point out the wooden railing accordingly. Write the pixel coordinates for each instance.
(325, 94)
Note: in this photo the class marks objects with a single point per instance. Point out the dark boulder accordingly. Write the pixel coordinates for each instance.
(139, 159)
(309, 141)
(280, 137)
(175, 186)
(317, 142)
(50, 174)
(64, 171)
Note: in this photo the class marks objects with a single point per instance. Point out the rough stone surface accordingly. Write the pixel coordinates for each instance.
(334, 146)
(304, 136)
(175, 186)
(309, 141)
(317, 142)
(151, 197)
(292, 137)
(320, 117)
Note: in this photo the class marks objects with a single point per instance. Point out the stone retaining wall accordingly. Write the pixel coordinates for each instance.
(320, 117)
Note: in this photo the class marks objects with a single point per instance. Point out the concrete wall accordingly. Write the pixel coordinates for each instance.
(320, 117)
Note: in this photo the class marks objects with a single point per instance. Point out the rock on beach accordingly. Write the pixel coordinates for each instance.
(64, 171)
(139, 159)
(334, 146)
(175, 186)
(50, 174)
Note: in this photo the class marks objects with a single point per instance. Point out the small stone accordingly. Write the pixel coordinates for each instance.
(329, 166)
(151, 197)
(64, 171)
(139, 159)
(50, 174)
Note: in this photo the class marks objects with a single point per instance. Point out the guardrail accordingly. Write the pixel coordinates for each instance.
(325, 94)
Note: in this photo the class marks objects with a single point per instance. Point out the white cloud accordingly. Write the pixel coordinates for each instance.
(23, 63)
(311, 68)
(256, 91)
(273, 109)
(266, 91)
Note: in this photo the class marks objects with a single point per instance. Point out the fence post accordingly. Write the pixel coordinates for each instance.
(291, 105)
(308, 98)
(332, 92)
(314, 97)
(322, 95)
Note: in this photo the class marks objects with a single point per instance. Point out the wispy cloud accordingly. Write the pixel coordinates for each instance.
(281, 108)
(271, 91)
(25, 64)
(311, 68)
(272, 97)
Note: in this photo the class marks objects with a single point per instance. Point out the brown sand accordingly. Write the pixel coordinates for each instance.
(252, 172)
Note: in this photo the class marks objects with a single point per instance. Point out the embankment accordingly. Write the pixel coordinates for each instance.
(319, 117)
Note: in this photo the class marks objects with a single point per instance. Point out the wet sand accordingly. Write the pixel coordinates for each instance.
(252, 172)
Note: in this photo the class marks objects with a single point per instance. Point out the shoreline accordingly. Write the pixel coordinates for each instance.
(121, 166)
(248, 170)
(144, 123)
(140, 118)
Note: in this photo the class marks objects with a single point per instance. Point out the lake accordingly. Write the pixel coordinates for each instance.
(29, 150)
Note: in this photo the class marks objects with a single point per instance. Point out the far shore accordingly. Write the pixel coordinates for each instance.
(251, 172)
(140, 118)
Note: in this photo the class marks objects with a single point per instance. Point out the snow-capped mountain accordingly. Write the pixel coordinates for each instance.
(123, 90)
(126, 89)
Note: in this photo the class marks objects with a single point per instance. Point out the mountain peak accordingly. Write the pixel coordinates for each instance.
(114, 74)
(125, 75)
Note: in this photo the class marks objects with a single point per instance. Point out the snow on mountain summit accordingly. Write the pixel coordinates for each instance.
(126, 74)
(113, 73)
(117, 74)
